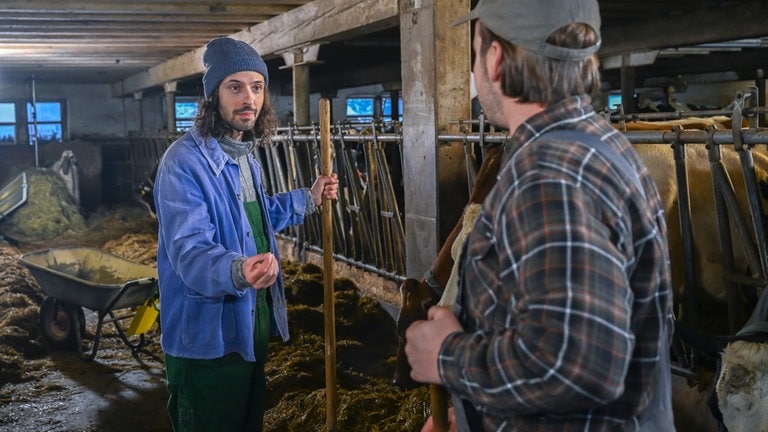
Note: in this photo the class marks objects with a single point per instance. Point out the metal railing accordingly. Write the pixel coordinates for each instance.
(368, 216)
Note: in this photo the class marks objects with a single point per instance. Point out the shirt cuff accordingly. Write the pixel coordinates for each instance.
(311, 207)
(238, 278)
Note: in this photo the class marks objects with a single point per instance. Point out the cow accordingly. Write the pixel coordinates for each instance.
(739, 399)
(66, 168)
(145, 191)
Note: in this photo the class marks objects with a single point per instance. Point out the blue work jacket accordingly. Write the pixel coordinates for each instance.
(203, 228)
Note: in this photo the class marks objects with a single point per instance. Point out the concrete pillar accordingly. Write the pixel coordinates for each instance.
(139, 98)
(301, 108)
(394, 97)
(435, 60)
(378, 109)
(170, 103)
(627, 87)
(299, 59)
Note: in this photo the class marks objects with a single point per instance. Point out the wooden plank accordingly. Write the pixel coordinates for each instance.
(84, 9)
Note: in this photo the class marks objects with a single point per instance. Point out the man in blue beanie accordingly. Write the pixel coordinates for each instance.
(221, 286)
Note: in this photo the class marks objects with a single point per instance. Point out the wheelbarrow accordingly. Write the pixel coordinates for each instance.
(74, 278)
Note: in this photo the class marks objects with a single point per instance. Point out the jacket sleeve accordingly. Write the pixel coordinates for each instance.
(286, 208)
(190, 238)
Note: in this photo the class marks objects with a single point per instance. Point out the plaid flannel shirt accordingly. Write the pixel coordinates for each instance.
(564, 286)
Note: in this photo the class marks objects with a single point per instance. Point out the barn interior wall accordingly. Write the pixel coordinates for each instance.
(697, 95)
(284, 103)
(712, 94)
(95, 119)
(91, 109)
(153, 118)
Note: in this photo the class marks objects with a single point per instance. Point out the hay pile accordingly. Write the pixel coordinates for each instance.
(20, 298)
(49, 212)
(365, 355)
(365, 333)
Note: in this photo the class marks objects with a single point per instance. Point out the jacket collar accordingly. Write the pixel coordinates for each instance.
(211, 151)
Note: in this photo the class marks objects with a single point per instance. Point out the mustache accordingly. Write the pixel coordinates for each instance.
(242, 110)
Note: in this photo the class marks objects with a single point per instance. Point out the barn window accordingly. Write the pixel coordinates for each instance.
(7, 123)
(360, 109)
(363, 108)
(614, 100)
(186, 110)
(44, 121)
(387, 108)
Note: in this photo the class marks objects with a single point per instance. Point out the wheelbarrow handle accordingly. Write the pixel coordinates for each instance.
(142, 281)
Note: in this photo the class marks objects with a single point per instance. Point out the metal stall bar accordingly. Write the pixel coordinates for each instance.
(727, 210)
(309, 231)
(677, 115)
(760, 269)
(392, 227)
(359, 241)
(372, 201)
(356, 207)
(686, 231)
(753, 191)
(361, 214)
(341, 219)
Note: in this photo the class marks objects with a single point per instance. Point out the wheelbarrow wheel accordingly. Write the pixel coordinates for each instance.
(57, 322)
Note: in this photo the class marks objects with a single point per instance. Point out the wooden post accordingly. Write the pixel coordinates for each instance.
(438, 403)
(326, 169)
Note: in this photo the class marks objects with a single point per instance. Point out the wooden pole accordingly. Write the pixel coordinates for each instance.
(438, 402)
(326, 168)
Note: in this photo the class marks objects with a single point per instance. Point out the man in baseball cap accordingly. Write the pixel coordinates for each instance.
(563, 317)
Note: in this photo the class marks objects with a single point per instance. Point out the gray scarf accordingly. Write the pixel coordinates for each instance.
(239, 150)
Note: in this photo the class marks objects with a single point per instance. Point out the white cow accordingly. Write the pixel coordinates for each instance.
(742, 387)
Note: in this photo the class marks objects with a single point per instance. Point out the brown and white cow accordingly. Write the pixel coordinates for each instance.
(740, 397)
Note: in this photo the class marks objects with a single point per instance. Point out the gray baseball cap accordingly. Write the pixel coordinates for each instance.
(528, 23)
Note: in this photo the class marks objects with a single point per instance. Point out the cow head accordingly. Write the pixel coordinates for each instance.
(145, 194)
(415, 298)
(146, 191)
(739, 400)
(741, 389)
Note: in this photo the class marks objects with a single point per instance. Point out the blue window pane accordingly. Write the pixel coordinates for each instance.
(186, 110)
(360, 106)
(46, 112)
(614, 100)
(386, 107)
(7, 112)
(183, 125)
(7, 134)
(46, 132)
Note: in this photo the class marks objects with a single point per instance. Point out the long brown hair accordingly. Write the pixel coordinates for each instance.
(533, 78)
(210, 124)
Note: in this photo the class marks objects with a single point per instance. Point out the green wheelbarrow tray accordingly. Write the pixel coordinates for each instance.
(73, 278)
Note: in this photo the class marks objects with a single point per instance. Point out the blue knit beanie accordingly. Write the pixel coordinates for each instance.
(224, 56)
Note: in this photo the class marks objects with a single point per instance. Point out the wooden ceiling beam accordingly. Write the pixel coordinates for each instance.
(699, 25)
(315, 22)
(136, 8)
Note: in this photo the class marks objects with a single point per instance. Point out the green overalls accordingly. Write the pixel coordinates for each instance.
(206, 404)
